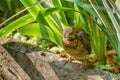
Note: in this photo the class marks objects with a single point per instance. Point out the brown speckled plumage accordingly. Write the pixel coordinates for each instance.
(76, 42)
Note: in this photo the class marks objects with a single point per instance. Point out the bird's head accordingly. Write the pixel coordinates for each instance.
(70, 33)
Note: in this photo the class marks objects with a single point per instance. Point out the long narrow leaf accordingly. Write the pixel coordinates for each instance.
(86, 7)
(16, 24)
(39, 30)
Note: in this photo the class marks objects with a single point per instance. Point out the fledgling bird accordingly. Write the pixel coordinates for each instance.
(76, 42)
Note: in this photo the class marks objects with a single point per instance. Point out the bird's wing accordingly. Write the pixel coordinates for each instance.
(84, 38)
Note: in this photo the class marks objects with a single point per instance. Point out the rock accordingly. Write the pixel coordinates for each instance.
(21, 61)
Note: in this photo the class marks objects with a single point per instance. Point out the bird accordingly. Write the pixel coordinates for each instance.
(76, 43)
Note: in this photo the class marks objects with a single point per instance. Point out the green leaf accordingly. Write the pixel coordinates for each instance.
(61, 15)
(34, 9)
(31, 29)
(39, 30)
(16, 24)
(85, 6)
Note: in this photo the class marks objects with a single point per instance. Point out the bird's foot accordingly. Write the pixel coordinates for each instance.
(69, 59)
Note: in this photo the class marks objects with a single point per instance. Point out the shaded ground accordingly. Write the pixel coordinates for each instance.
(21, 61)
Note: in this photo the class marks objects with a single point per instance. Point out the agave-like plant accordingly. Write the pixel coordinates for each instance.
(111, 21)
(47, 19)
(107, 12)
